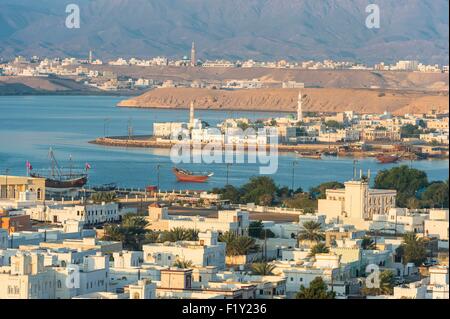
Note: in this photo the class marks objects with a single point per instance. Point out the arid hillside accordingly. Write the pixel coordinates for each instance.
(285, 100)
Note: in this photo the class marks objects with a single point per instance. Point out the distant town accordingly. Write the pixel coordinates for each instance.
(86, 71)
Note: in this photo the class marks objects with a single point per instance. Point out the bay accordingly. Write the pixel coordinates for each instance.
(30, 125)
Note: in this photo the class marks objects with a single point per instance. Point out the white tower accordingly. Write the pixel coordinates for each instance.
(191, 116)
(193, 55)
(300, 107)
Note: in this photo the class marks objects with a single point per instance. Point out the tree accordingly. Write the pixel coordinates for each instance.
(301, 201)
(319, 192)
(436, 195)
(132, 232)
(368, 243)
(263, 269)
(319, 248)
(254, 190)
(413, 249)
(255, 229)
(410, 130)
(238, 245)
(230, 193)
(183, 264)
(334, 124)
(386, 285)
(179, 234)
(312, 231)
(100, 197)
(406, 181)
(318, 289)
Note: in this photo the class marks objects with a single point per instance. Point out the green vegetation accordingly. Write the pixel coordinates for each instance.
(368, 243)
(334, 124)
(409, 131)
(262, 269)
(183, 264)
(238, 245)
(312, 231)
(317, 290)
(386, 281)
(179, 234)
(319, 248)
(260, 190)
(131, 232)
(100, 197)
(319, 192)
(256, 230)
(436, 195)
(302, 201)
(413, 250)
(413, 189)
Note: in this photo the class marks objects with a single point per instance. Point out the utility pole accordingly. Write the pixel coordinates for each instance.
(157, 170)
(294, 163)
(228, 169)
(6, 181)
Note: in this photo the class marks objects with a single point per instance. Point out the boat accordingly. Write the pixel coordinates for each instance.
(190, 177)
(310, 155)
(388, 159)
(105, 187)
(59, 179)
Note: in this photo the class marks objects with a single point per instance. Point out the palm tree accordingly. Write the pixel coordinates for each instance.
(367, 243)
(263, 269)
(183, 264)
(238, 245)
(318, 289)
(107, 197)
(319, 248)
(312, 231)
(413, 249)
(179, 234)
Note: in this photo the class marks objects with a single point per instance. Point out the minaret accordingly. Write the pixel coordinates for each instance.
(300, 107)
(191, 116)
(90, 57)
(193, 55)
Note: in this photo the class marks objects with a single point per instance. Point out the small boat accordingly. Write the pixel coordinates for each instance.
(331, 153)
(105, 187)
(186, 176)
(388, 159)
(311, 155)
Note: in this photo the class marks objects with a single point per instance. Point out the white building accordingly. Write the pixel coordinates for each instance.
(205, 252)
(235, 221)
(89, 214)
(356, 203)
(437, 224)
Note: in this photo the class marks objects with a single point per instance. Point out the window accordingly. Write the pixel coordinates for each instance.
(59, 284)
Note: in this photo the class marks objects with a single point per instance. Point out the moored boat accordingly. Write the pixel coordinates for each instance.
(388, 159)
(58, 179)
(310, 155)
(186, 176)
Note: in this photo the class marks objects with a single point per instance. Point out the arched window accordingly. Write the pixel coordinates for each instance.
(136, 296)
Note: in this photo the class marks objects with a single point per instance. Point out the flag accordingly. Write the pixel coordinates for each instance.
(29, 166)
(88, 166)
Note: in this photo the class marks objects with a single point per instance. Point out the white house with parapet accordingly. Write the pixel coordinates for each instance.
(235, 221)
(356, 203)
(207, 251)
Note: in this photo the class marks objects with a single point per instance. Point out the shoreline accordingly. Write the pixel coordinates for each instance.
(145, 141)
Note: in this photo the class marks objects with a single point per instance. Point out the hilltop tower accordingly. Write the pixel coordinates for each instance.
(300, 107)
(191, 116)
(193, 55)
